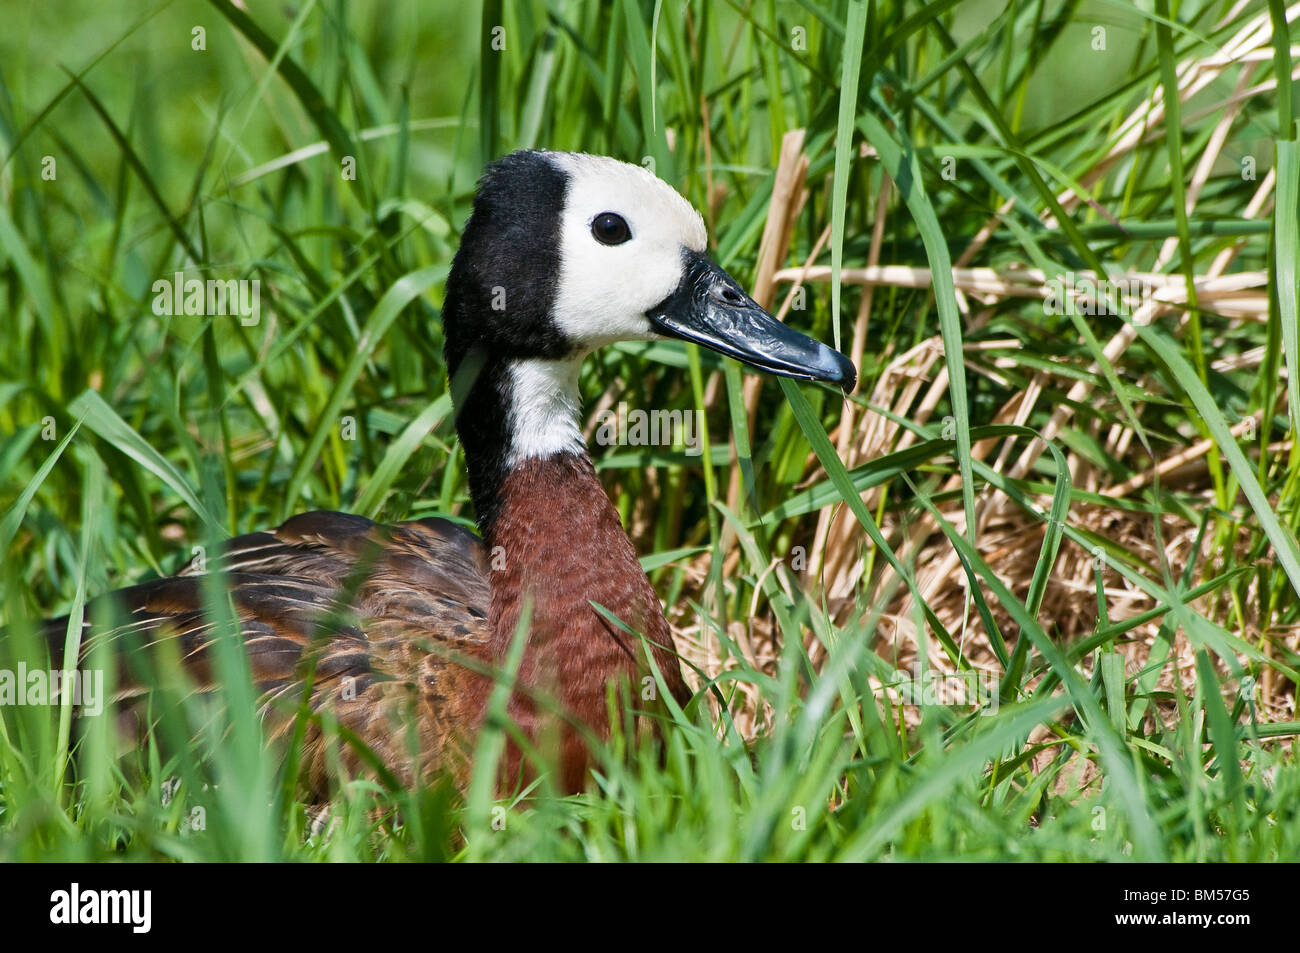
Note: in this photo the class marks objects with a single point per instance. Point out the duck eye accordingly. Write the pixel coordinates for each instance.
(610, 229)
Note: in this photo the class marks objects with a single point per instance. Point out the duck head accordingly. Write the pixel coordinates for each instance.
(565, 253)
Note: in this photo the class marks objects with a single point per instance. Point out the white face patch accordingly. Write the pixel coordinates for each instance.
(604, 291)
(543, 409)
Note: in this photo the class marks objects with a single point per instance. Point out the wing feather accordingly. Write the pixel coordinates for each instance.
(383, 611)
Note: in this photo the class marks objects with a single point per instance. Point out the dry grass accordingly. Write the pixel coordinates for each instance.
(914, 384)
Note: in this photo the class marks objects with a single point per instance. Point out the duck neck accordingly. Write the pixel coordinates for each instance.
(554, 539)
(555, 547)
(511, 412)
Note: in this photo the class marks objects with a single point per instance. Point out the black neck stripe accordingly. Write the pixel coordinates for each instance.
(499, 308)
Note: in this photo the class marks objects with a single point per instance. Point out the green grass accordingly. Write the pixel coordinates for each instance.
(1142, 648)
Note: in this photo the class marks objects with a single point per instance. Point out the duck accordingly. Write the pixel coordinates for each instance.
(400, 632)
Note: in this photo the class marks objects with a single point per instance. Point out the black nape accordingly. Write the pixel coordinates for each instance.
(480, 388)
(499, 307)
(503, 281)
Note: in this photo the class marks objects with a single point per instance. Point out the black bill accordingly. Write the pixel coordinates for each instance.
(709, 308)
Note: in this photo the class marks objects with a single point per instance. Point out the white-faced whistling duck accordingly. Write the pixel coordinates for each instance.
(563, 253)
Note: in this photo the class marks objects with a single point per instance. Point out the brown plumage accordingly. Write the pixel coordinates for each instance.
(343, 592)
(574, 650)
(404, 622)
(400, 631)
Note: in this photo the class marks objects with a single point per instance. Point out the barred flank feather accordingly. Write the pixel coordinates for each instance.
(384, 612)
